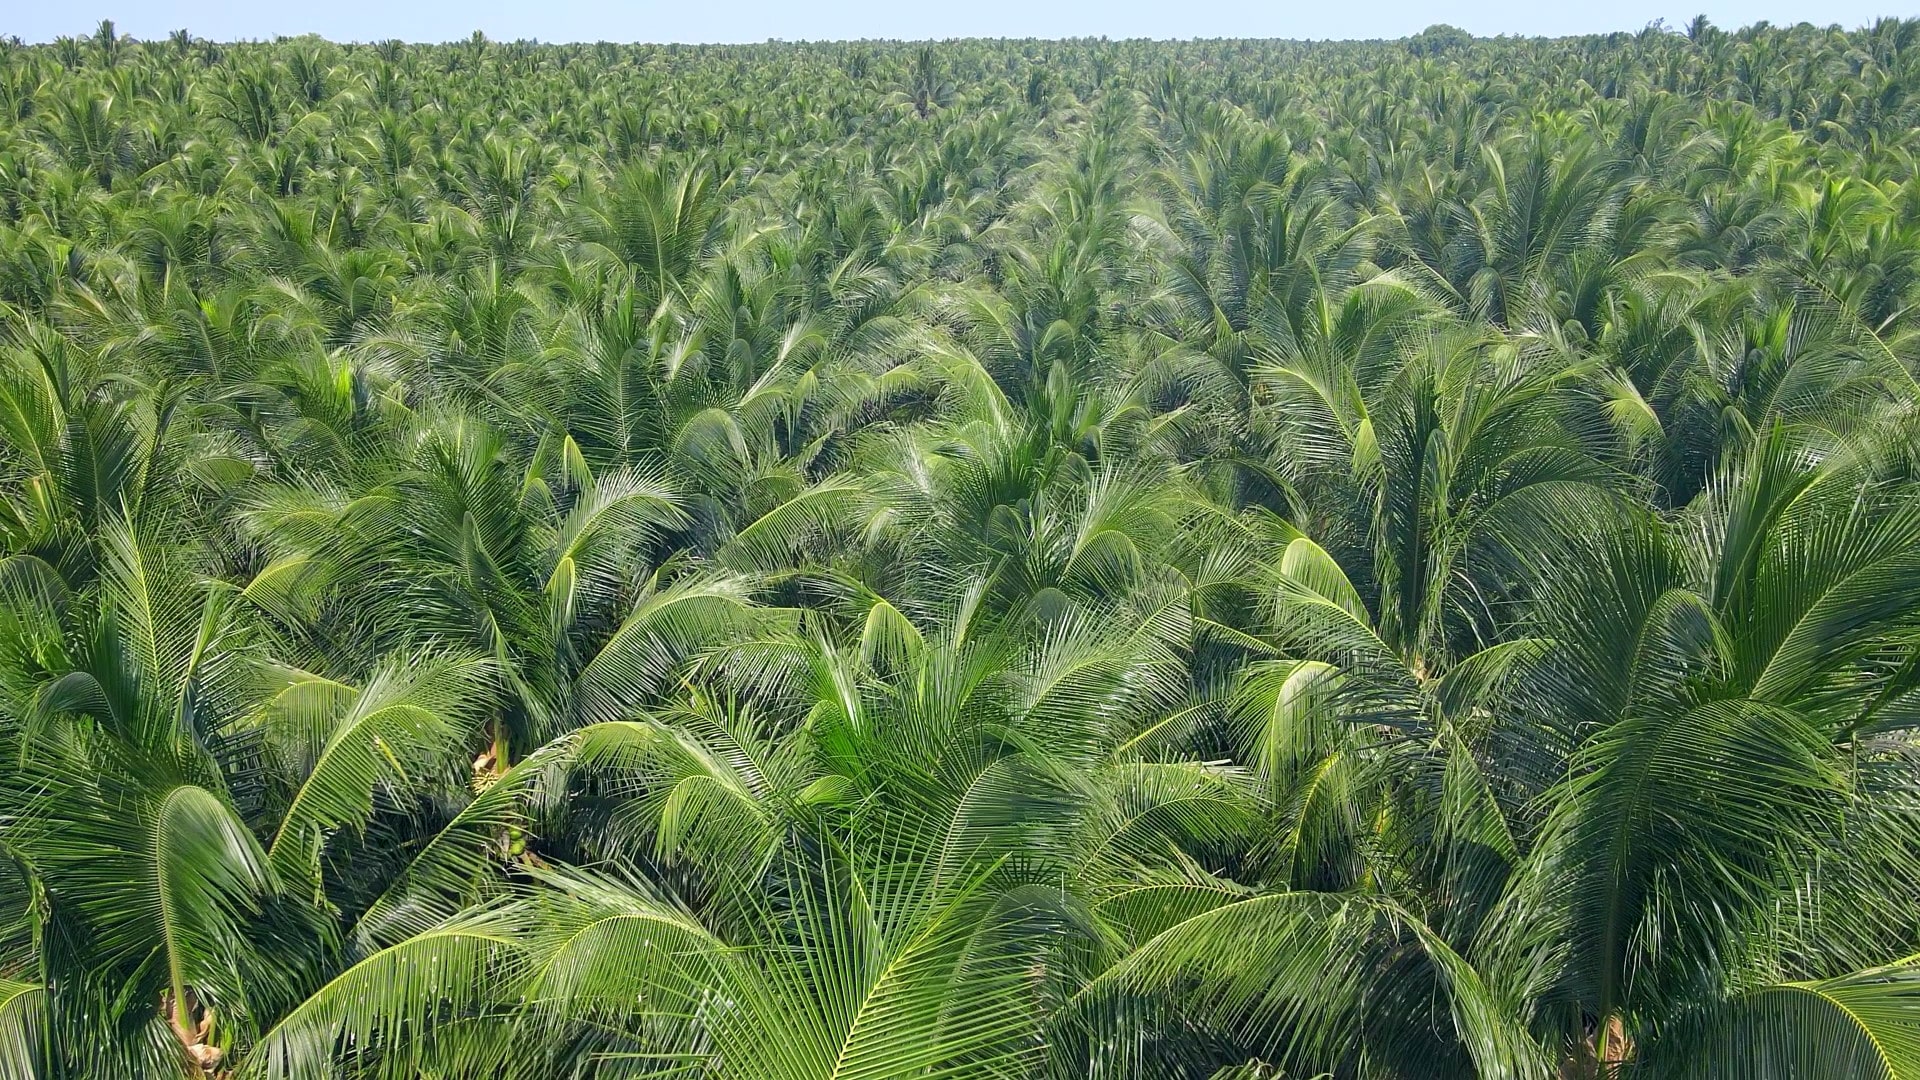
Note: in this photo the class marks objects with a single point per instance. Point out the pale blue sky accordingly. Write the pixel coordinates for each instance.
(758, 20)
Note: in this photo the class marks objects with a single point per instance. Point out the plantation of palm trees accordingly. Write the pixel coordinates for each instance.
(1008, 560)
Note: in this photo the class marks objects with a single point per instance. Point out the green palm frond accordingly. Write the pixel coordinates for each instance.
(408, 720)
(1862, 1024)
(388, 1003)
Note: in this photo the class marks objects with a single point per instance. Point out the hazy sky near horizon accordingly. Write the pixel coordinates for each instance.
(759, 20)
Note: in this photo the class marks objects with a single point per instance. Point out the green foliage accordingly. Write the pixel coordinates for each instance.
(1119, 560)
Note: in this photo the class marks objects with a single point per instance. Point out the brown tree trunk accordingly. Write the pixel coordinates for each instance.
(192, 1024)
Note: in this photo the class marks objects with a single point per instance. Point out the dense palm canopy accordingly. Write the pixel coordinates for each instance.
(1199, 561)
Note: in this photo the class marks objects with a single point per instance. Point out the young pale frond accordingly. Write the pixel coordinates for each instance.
(385, 1007)
(23, 1016)
(838, 506)
(869, 983)
(669, 626)
(406, 723)
(1864, 1024)
(608, 951)
(1310, 978)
